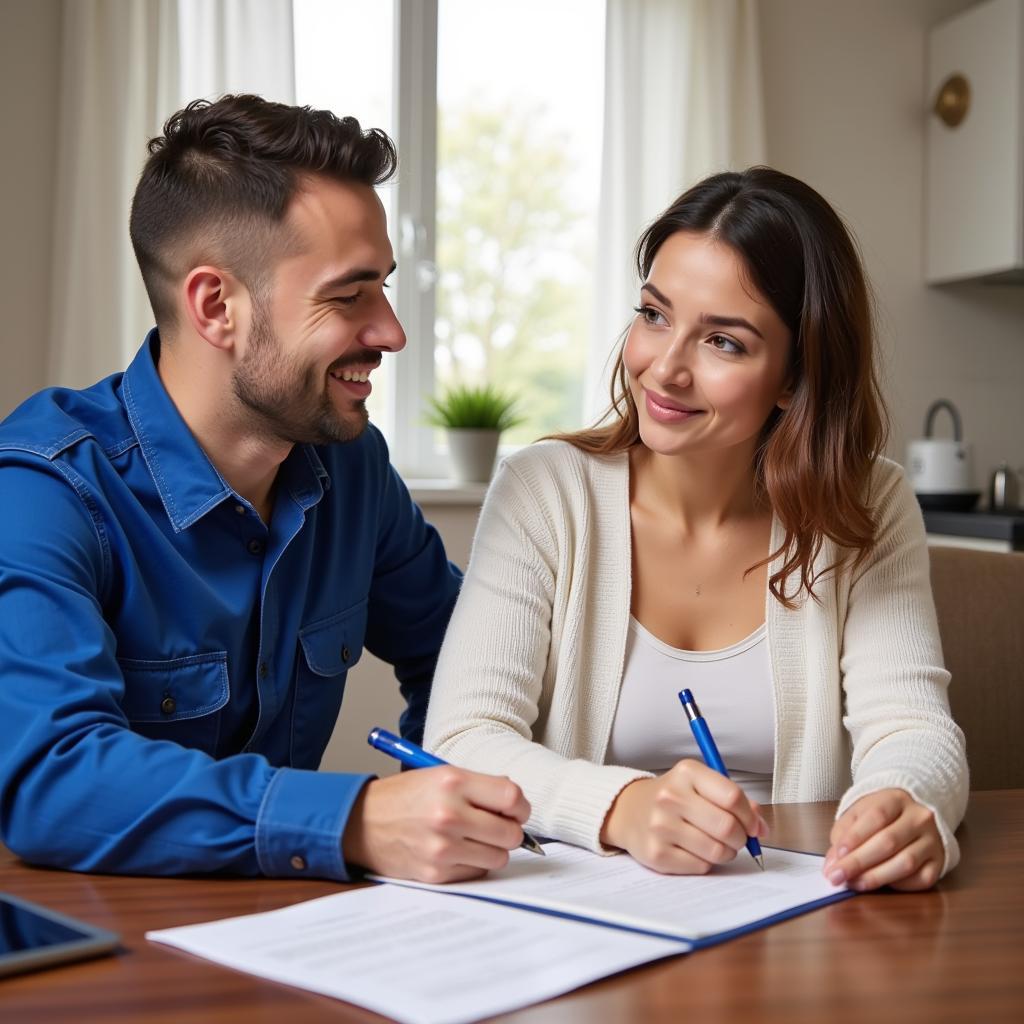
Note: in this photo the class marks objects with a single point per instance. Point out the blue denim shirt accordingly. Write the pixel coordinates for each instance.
(170, 668)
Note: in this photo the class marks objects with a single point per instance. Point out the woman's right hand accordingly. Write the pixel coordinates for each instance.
(683, 822)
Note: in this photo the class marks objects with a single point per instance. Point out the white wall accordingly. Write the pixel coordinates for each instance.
(29, 81)
(846, 111)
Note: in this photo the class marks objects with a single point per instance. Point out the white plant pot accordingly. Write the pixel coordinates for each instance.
(472, 454)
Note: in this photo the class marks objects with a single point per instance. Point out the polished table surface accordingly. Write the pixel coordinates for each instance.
(953, 954)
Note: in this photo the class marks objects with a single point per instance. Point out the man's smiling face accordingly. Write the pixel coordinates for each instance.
(325, 323)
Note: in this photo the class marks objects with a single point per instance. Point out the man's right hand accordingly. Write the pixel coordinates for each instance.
(435, 825)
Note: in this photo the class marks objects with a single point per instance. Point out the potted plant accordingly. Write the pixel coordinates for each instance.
(474, 418)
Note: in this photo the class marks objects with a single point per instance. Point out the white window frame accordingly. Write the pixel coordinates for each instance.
(415, 96)
(415, 448)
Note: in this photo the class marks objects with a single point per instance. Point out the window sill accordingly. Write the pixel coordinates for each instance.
(445, 492)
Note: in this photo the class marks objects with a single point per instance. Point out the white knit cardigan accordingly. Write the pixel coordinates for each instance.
(529, 675)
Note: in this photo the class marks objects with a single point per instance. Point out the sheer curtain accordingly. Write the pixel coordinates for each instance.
(682, 100)
(128, 65)
(237, 46)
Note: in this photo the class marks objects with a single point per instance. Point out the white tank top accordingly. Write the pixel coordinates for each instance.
(733, 689)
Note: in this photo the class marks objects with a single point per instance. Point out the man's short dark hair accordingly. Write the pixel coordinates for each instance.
(221, 177)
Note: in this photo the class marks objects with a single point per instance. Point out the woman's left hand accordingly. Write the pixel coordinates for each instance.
(885, 838)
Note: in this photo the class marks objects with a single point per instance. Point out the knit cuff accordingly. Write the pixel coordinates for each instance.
(950, 847)
(585, 796)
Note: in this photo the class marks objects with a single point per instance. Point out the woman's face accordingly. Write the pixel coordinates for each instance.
(707, 356)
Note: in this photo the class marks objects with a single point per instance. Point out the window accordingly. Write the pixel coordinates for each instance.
(497, 112)
(355, 81)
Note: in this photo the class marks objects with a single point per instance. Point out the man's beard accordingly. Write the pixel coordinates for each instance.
(287, 401)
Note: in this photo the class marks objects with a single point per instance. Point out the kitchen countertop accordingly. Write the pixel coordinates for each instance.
(1004, 526)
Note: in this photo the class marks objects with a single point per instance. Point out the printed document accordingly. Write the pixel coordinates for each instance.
(419, 957)
(619, 891)
(431, 957)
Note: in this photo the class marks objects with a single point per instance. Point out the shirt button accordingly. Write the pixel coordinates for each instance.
(168, 706)
(299, 863)
(240, 509)
(345, 654)
(255, 546)
(264, 669)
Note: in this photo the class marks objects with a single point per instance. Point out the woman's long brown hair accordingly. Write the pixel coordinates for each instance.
(815, 458)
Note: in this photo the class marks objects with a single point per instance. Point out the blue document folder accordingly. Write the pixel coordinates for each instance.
(695, 910)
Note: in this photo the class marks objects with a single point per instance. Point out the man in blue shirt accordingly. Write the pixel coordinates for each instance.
(194, 553)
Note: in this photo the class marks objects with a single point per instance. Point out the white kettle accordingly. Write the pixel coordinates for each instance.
(939, 469)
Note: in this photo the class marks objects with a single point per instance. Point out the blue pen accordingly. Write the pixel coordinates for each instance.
(413, 756)
(712, 758)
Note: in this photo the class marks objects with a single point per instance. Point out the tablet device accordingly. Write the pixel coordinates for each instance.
(32, 936)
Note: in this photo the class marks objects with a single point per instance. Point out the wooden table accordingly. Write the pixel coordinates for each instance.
(955, 954)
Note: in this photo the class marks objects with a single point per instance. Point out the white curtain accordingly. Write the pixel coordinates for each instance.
(237, 46)
(682, 100)
(126, 66)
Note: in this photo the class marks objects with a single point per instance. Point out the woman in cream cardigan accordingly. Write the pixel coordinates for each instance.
(732, 528)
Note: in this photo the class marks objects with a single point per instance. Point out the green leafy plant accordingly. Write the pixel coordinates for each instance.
(465, 407)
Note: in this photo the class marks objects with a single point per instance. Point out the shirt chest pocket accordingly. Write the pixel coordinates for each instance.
(328, 649)
(178, 698)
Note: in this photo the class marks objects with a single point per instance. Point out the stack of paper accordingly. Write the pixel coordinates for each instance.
(419, 957)
(428, 957)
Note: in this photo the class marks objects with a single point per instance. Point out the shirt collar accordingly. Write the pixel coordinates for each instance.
(304, 476)
(187, 481)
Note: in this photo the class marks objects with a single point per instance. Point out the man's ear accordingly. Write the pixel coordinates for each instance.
(216, 304)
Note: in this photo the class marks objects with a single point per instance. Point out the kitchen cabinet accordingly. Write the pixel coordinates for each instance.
(975, 146)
